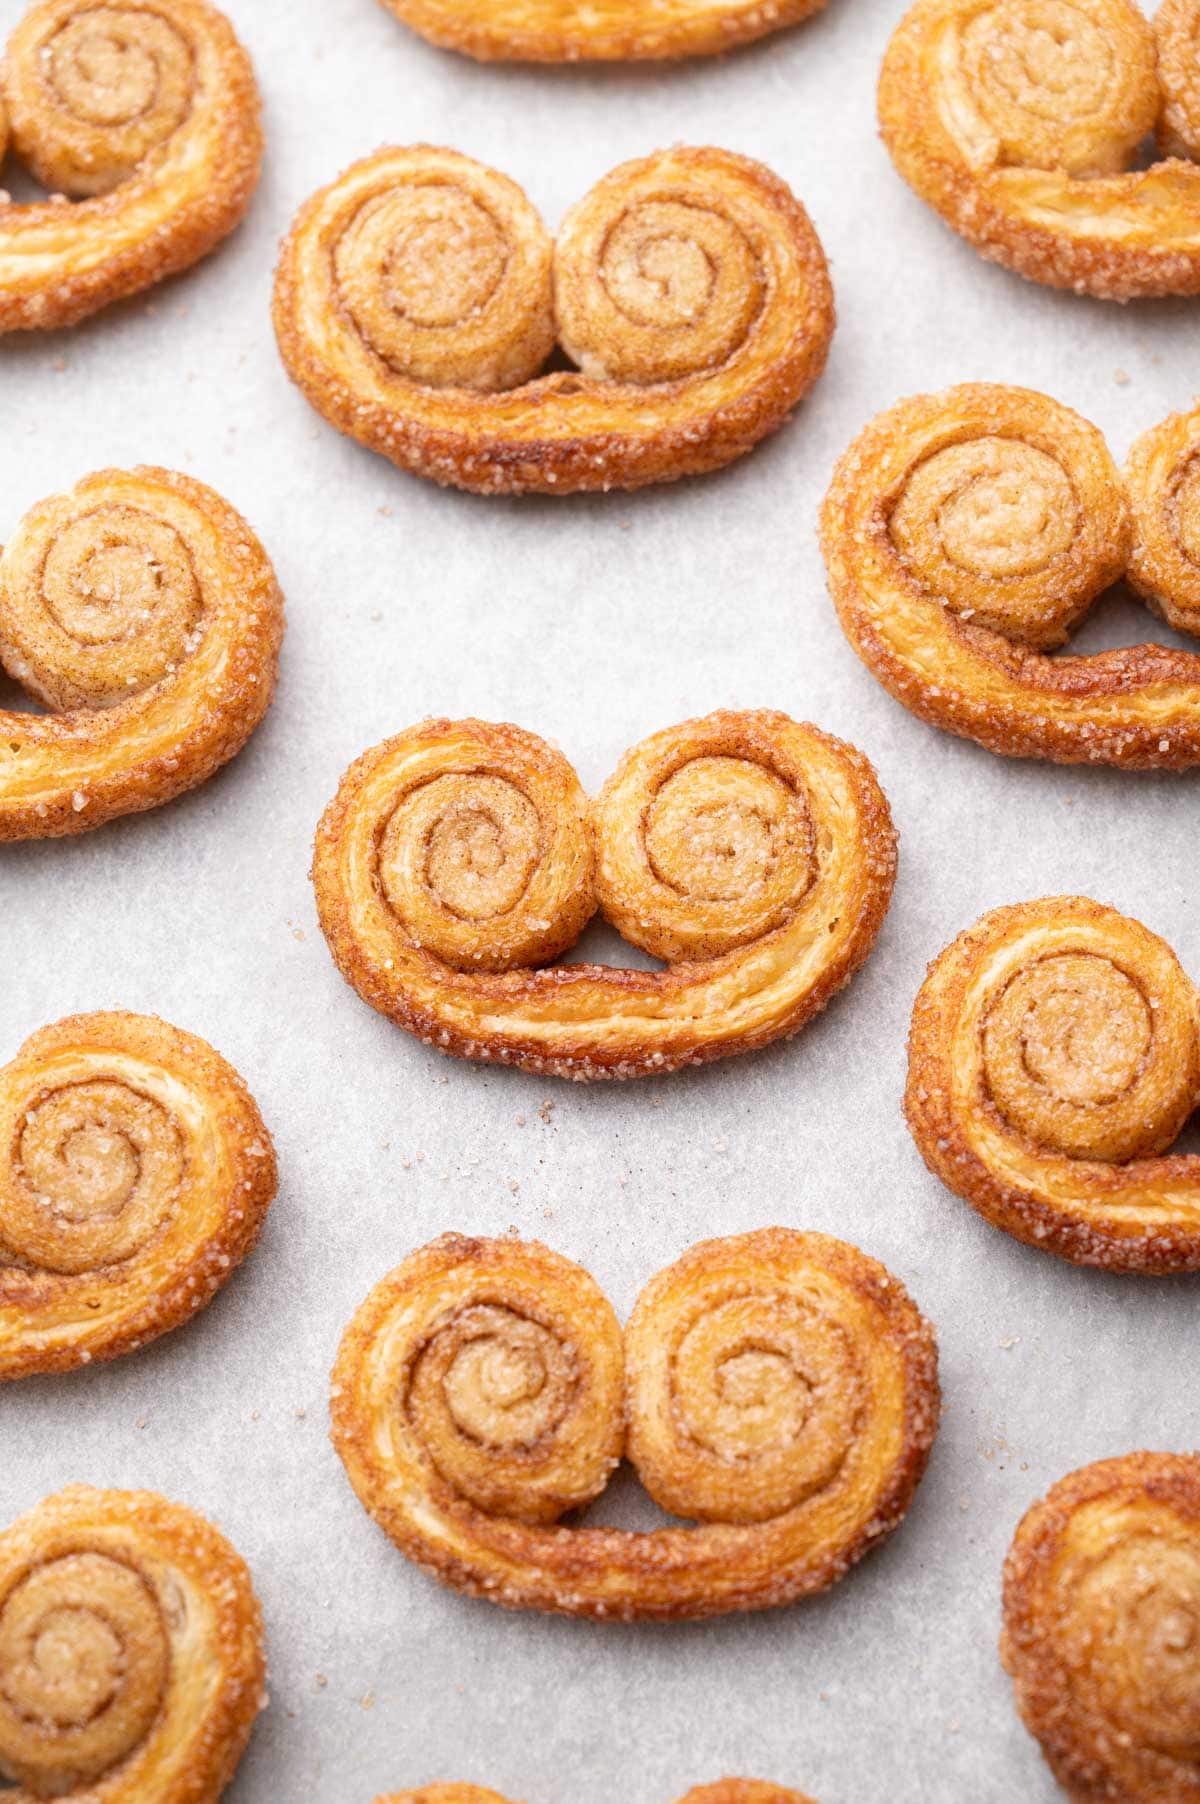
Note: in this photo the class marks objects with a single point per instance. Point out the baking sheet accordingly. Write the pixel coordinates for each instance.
(592, 621)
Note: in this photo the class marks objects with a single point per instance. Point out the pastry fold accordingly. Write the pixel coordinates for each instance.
(136, 1176)
(1018, 120)
(575, 31)
(966, 533)
(1054, 1056)
(754, 854)
(143, 122)
(418, 297)
(778, 1388)
(143, 612)
(131, 1652)
(1102, 1629)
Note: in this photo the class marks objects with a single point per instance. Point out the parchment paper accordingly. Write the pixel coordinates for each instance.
(594, 622)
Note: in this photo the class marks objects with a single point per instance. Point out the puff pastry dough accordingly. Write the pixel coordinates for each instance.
(572, 31)
(1102, 1629)
(755, 855)
(778, 1388)
(419, 295)
(142, 610)
(725, 1791)
(131, 1655)
(966, 533)
(143, 121)
(1018, 119)
(1054, 1056)
(136, 1173)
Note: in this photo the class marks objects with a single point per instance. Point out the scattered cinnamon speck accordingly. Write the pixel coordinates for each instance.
(1120, 377)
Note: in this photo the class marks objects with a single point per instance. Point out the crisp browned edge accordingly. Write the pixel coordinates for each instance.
(491, 464)
(492, 33)
(175, 1304)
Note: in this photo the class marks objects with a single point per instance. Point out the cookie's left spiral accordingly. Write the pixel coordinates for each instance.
(135, 1175)
(131, 1655)
(143, 610)
(143, 122)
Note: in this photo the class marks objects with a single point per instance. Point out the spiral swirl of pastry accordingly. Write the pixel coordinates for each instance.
(756, 854)
(418, 296)
(965, 533)
(574, 31)
(1017, 120)
(1102, 1628)
(143, 610)
(725, 1791)
(136, 1176)
(778, 1388)
(1054, 1056)
(147, 115)
(131, 1655)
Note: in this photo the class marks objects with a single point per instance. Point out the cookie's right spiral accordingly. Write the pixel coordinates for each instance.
(1054, 1056)
(142, 611)
(143, 121)
(778, 1388)
(419, 295)
(131, 1654)
(966, 533)
(575, 31)
(1102, 1629)
(135, 1175)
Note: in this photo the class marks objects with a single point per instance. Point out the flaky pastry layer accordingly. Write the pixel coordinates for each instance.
(142, 609)
(131, 1652)
(1102, 1629)
(1017, 121)
(965, 534)
(150, 112)
(779, 1388)
(572, 31)
(1054, 1054)
(756, 854)
(419, 295)
(136, 1174)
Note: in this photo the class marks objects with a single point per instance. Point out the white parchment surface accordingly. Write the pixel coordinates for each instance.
(592, 621)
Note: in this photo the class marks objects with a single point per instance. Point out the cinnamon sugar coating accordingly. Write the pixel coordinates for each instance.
(136, 1176)
(131, 1652)
(573, 31)
(966, 533)
(142, 609)
(1054, 1056)
(1102, 1629)
(143, 121)
(779, 1388)
(418, 296)
(1018, 121)
(756, 854)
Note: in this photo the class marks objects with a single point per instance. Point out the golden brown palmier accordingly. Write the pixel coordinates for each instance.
(575, 31)
(143, 120)
(779, 1388)
(136, 1176)
(131, 1652)
(1102, 1629)
(1017, 120)
(725, 1791)
(142, 610)
(755, 854)
(1054, 1056)
(419, 295)
(966, 533)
